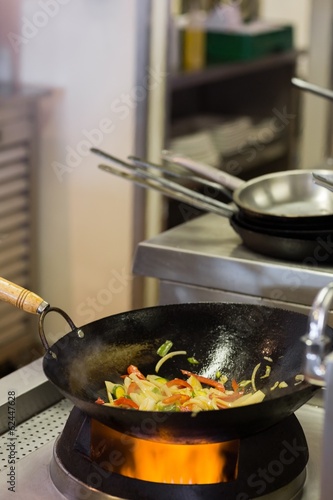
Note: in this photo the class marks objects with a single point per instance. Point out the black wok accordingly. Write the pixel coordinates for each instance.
(289, 198)
(231, 338)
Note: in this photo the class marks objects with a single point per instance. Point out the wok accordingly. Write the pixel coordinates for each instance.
(231, 338)
(289, 198)
(300, 244)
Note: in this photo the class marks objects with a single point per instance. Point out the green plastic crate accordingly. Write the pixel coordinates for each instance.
(226, 47)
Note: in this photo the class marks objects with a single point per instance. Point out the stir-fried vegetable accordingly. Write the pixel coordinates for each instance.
(196, 393)
(164, 348)
(193, 361)
(168, 356)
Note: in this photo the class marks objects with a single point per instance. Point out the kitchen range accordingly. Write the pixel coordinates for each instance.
(61, 452)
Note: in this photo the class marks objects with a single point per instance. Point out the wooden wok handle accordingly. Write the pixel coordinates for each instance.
(21, 298)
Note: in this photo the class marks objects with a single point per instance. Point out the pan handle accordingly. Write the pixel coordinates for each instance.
(169, 171)
(30, 302)
(21, 297)
(194, 199)
(41, 330)
(323, 181)
(314, 89)
(316, 339)
(144, 177)
(319, 371)
(216, 175)
(186, 176)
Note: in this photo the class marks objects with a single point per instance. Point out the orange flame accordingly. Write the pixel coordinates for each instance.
(163, 462)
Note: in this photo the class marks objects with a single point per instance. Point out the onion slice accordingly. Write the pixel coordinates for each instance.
(253, 377)
(168, 356)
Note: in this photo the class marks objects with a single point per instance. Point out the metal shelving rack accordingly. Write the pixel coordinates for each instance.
(18, 210)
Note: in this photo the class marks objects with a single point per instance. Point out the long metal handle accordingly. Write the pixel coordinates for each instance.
(184, 177)
(192, 200)
(170, 172)
(314, 89)
(21, 298)
(316, 339)
(323, 181)
(216, 175)
(170, 187)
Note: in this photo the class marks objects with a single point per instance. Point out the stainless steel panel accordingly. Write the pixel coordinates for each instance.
(13, 113)
(13, 221)
(16, 329)
(18, 153)
(14, 186)
(13, 316)
(14, 253)
(207, 252)
(9, 171)
(34, 393)
(11, 133)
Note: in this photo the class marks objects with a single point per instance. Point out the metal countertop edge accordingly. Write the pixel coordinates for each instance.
(33, 393)
(183, 255)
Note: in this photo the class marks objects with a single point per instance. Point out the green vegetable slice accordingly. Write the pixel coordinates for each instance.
(164, 348)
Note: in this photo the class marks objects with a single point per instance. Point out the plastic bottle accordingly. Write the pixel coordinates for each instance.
(194, 42)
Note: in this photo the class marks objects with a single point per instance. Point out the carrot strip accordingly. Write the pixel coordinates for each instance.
(100, 401)
(126, 402)
(135, 369)
(174, 398)
(234, 385)
(179, 383)
(205, 380)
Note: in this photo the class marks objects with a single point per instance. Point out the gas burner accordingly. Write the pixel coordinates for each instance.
(92, 461)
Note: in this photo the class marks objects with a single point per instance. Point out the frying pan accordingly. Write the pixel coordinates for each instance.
(289, 198)
(292, 244)
(230, 338)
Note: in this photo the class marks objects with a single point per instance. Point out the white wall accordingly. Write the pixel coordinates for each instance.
(86, 49)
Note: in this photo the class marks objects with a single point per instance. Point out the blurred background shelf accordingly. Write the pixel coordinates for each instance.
(219, 72)
(201, 102)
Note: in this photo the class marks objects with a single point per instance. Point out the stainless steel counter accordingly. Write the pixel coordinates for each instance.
(204, 259)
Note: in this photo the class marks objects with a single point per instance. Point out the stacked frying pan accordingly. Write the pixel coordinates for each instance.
(284, 215)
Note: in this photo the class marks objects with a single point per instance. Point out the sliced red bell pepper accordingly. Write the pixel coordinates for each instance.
(126, 402)
(234, 385)
(205, 380)
(181, 398)
(100, 401)
(133, 387)
(186, 407)
(135, 369)
(179, 383)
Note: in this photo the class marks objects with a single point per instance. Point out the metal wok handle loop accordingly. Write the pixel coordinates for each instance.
(316, 339)
(66, 318)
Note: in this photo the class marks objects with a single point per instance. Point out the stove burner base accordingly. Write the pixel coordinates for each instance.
(268, 472)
